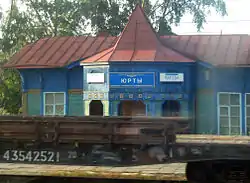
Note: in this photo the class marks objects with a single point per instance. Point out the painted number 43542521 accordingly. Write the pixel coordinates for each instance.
(31, 156)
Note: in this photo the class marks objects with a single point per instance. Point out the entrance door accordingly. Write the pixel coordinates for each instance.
(96, 108)
(171, 108)
(132, 108)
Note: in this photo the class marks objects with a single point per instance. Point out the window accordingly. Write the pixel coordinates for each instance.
(247, 111)
(229, 111)
(54, 104)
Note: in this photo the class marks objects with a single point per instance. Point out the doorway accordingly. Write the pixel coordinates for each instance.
(171, 108)
(132, 108)
(96, 108)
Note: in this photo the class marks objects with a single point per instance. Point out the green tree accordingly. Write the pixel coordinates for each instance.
(37, 19)
(111, 15)
(40, 18)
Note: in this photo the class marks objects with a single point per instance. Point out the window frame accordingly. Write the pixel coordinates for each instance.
(44, 103)
(245, 108)
(229, 106)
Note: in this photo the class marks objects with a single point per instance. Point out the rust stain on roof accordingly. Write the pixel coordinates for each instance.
(138, 42)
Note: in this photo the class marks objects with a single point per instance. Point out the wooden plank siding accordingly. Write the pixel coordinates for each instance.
(75, 102)
(34, 102)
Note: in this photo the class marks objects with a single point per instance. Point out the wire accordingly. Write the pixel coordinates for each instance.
(219, 21)
(209, 33)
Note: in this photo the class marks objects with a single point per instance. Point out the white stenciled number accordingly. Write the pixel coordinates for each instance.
(57, 157)
(72, 154)
(36, 156)
(51, 156)
(29, 156)
(6, 155)
(21, 155)
(43, 156)
(14, 156)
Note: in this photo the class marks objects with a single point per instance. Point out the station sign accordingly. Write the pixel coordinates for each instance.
(171, 77)
(132, 79)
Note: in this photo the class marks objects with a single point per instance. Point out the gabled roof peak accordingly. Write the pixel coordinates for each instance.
(138, 33)
(138, 42)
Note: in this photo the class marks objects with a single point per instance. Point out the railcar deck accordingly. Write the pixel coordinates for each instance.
(170, 172)
(213, 139)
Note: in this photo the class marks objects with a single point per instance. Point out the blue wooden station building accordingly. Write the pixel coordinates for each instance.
(139, 73)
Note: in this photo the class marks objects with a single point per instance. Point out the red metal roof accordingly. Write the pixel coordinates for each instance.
(138, 42)
(59, 51)
(219, 50)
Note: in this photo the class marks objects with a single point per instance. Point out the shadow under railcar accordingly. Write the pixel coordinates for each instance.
(24, 179)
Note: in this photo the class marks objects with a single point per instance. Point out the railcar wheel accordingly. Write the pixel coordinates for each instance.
(196, 172)
(218, 171)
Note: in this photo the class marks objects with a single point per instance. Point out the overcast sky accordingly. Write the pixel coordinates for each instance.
(237, 21)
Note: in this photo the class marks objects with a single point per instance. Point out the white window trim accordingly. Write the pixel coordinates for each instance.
(245, 106)
(218, 110)
(44, 105)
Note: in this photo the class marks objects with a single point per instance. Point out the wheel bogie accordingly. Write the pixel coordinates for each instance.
(218, 171)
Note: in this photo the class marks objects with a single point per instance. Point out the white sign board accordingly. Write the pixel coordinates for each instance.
(171, 77)
(95, 77)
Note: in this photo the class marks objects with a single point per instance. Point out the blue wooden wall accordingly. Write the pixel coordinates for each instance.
(59, 79)
(63, 80)
(221, 79)
(206, 121)
(37, 81)
(234, 80)
(199, 90)
(161, 91)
